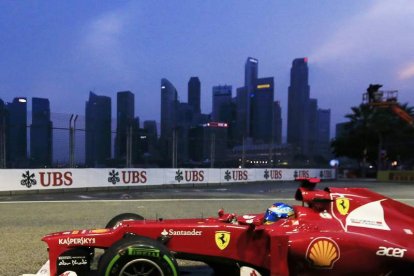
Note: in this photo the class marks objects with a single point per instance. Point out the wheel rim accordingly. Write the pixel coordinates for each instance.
(141, 267)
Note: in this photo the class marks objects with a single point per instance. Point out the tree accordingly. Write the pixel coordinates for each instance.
(375, 134)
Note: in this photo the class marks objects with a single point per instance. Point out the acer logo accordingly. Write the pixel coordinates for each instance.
(391, 252)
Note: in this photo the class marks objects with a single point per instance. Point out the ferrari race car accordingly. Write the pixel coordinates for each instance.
(335, 231)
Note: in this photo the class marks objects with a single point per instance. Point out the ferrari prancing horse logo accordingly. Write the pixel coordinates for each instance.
(222, 239)
(342, 204)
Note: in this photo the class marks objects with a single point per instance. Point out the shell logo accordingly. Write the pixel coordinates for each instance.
(322, 253)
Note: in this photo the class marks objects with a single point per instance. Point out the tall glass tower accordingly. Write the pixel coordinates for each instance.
(251, 71)
(169, 106)
(16, 136)
(2, 134)
(298, 106)
(125, 112)
(98, 130)
(221, 101)
(194, 92)
(41, 133)
(261, 110)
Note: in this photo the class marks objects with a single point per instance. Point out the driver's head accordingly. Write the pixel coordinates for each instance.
(277, 211)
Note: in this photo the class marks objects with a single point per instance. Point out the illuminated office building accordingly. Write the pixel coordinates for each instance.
(16, 133)
(261, 111)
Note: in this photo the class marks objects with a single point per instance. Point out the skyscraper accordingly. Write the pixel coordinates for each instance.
(169, 103)
(313, 127)
(298, 106)
(2, 134)
(98, 130)
(261, 111)
(323, 136)
(169, 113)
(41, 133)
(251, 71)
(184, 121)
(150, 127)
(16, 136)
(277, 123)
(125, 112)
(242, 108)
(209, 143)
(221, 100)
(194, 92)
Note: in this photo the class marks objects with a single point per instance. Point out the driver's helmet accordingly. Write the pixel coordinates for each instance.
(277, 211)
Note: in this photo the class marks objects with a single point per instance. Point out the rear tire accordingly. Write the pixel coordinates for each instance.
(136, 255)
(124, 216)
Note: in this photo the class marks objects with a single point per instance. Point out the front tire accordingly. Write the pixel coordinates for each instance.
(136, 255)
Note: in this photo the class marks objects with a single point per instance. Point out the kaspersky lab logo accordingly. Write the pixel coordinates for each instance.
(28, 179)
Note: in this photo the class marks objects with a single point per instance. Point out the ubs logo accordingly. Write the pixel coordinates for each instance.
(47, 179)
(236, 175)
(28, 179)
(127, 177)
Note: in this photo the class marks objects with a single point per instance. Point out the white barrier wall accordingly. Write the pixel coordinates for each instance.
(42, 179)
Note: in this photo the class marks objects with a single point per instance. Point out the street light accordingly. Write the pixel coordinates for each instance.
(72, 140)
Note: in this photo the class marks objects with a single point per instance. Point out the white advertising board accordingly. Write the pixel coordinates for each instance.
(42, 179)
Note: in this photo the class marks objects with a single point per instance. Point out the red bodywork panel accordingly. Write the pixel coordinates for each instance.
(337, 231)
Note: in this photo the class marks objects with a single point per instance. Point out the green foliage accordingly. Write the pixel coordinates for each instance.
(371, 128)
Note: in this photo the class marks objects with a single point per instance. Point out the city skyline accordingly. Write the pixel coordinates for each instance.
(251, 77)
(251, 118)
(64, 50)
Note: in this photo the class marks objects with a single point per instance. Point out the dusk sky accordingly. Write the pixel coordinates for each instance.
(61, 50)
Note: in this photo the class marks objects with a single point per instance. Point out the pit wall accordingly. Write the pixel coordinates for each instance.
(44, 179)
(400, 176)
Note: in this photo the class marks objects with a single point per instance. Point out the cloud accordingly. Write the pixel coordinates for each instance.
(383, 31)
(104, 43)
(406, 72)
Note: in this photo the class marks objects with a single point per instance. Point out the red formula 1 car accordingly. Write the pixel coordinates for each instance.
(336, 231)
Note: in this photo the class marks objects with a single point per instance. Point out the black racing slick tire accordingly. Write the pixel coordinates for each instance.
(124, 216)
(136, 255)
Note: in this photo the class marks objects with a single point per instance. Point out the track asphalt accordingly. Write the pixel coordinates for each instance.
(234, 194)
